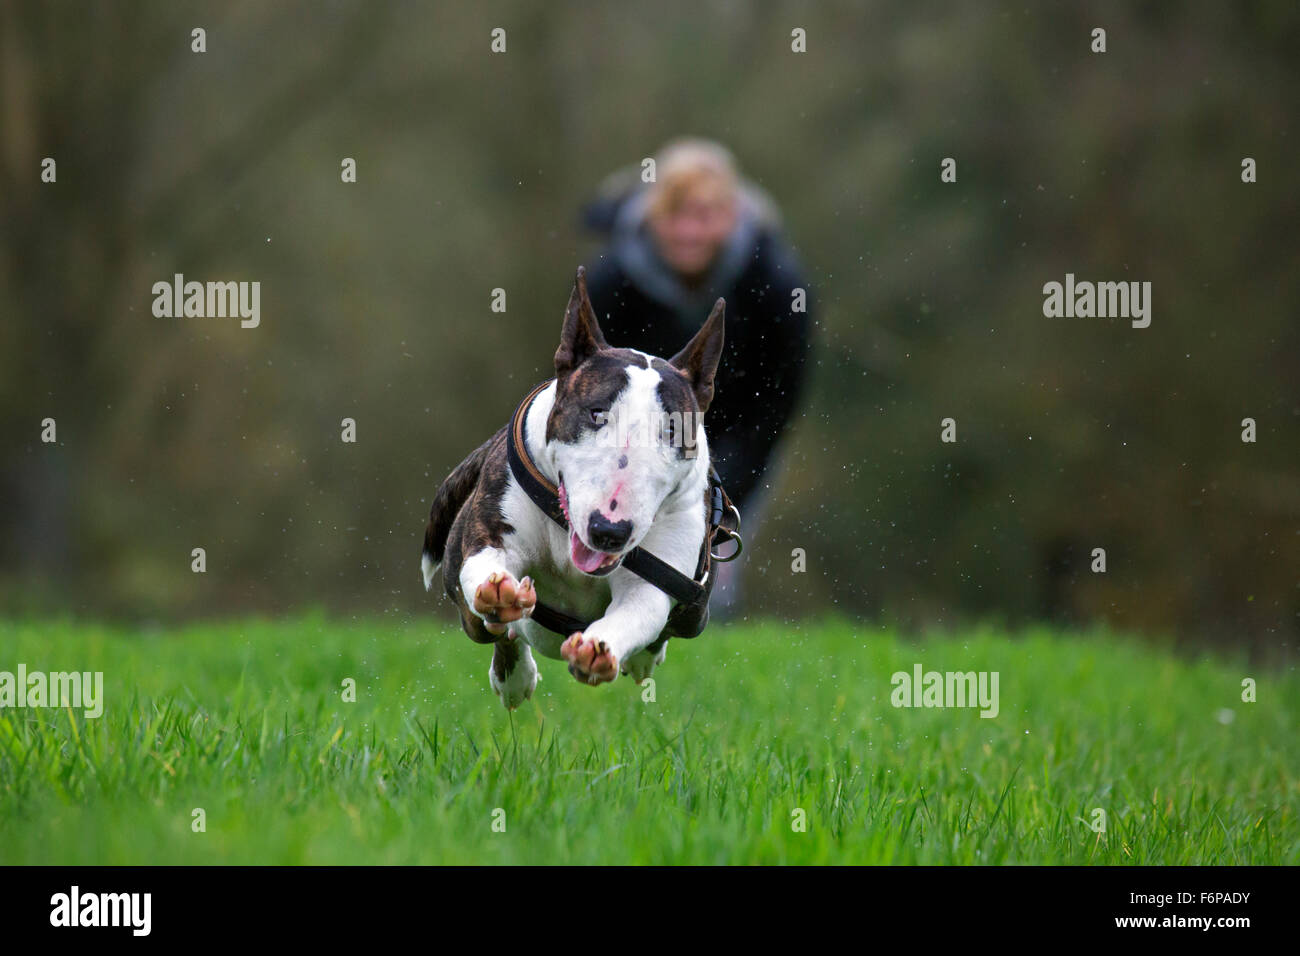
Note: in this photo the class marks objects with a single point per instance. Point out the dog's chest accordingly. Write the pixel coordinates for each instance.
(565, 589)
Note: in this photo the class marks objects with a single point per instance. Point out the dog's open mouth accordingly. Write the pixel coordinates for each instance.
(589, 560)
(585, 559)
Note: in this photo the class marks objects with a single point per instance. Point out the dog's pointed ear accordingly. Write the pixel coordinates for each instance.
(581, 337)
(699, 360)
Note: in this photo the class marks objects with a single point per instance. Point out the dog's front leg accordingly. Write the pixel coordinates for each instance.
(493, 590)
(494, 594)
(636, 616)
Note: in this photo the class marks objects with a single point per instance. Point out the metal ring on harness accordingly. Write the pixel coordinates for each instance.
(734, 536)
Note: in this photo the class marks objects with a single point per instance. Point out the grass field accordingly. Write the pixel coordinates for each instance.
(245, 719)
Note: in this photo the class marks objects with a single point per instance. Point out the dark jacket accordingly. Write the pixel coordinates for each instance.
(641, 304)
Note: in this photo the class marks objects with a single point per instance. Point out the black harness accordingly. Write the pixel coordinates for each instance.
(691, 613)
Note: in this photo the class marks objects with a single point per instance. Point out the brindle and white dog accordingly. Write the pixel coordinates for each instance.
(607, 433)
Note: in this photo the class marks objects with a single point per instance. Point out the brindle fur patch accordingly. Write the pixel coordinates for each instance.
(451, 495)
(478, 524)
(596, 383)
(676, 395)
(505, 655)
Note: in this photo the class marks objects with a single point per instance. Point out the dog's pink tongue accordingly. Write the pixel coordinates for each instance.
(584, 557)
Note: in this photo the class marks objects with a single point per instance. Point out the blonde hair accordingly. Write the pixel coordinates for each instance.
(692, 167)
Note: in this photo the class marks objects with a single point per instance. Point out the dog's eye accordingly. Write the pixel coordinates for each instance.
(598, 416)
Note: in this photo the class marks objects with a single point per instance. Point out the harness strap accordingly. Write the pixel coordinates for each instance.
(557, 621)
(692, 594)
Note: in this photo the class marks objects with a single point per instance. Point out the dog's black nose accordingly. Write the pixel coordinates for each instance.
(606, 535)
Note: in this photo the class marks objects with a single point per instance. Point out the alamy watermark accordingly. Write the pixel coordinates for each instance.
(130, 910)
(1102, 300)
(923, 688)
(76, 689)
(667, 430)
(211, 300)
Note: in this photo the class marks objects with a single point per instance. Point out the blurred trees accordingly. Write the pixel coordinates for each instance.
(1072, 433)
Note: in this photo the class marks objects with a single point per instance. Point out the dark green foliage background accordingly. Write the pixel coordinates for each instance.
(1074, 434)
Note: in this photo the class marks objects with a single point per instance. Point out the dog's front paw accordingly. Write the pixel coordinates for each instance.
(590, 661)
(501, 600)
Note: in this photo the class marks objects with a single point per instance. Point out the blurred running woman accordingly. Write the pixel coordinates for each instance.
(675, 245)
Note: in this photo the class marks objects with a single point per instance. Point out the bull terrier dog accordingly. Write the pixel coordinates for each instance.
(603, 469)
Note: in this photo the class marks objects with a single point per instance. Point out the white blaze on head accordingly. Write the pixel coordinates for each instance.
(625, 469)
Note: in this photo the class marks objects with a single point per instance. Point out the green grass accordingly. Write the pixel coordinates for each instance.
(245, 719)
